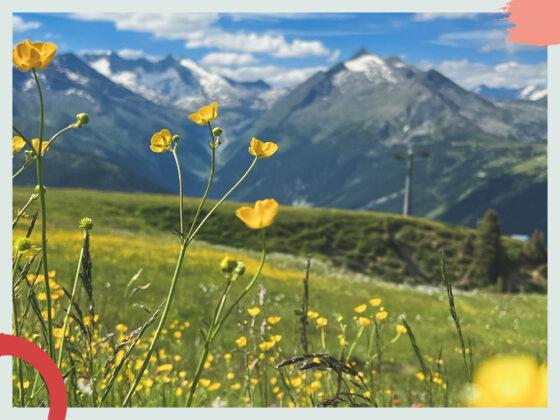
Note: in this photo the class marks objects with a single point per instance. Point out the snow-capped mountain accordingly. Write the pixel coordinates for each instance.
(530, 92)
(182, 83)
(338, 132)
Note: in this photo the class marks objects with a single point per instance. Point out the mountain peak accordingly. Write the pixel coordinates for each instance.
(362, 51)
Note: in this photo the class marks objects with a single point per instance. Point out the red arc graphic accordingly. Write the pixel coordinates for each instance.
(26, 350)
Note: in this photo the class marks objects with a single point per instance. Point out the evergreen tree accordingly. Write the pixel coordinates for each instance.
(488, 252)
(534, 250)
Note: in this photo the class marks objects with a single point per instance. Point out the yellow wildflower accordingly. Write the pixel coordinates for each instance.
(401, 329)
(262, 150)
(420, 376)
(214, 387)
(205, 382)
(167, 367)
(179, 392)
(121, 328)
(161, 141)
(17, 144)
(230, 375)
(321, 322)
(267, 345)
(312, 314)
(273, 320)
(236, 386)
(259, 217)
(375, 301)
(254, 311)
(364, 322)
(227, 357)
(177, 334)
(44, 146)
(510, 381)
(381, 315)
(29, 55)
(296, 382)
(205, 114)
(360, 308)
(241, 341)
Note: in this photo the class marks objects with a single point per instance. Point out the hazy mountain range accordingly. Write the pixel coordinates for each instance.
(338, 132)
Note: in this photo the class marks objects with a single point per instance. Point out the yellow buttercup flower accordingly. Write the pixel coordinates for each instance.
(214, 387)
(360, 308)
(273, 320)
(321, 322)
(167, 367)
(241, 341)
(312, 314)
(29, 55)
(381, 315)
(254, 311)
(205, 114)
(510, 381)
(375, 301)
(44, 146)
(364, 322)
(262, 150)
(259, 217)
(401, 329)
(161, 141)
(17, 144)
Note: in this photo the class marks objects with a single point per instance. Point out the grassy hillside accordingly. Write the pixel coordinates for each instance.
(132, 232)
(388, 246)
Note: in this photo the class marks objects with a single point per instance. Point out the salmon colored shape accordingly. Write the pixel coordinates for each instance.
(537, 22)
(29, 352)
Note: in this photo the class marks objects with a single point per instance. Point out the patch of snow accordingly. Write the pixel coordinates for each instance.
(102, 66)
(533, 93)
(80, 93)
(372, 66)
(75, 77)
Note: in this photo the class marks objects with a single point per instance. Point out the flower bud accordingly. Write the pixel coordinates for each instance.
(28, 154)
(217, 131)
(175, 138)
(86, 224)
(23, 244)
(228, 264)
(240, 269)
(37, 189)
(82, 119)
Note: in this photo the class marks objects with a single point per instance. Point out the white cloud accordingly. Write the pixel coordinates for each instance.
(483, 40)
(162, 25)
(276, 76)
(228, 59)
(20, 25)
(275, 45)
(132, 54)
(200, 30)
(425, 17)
(509, 74)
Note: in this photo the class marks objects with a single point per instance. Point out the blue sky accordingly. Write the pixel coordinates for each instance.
(284, 49)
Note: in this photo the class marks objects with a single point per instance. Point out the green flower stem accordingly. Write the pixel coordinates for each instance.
(69, 310)
(323, 343)
(226, 195)
(180, 177)
(40, 182)
(218, 321)
(22, 211)
(19, 365)
(353, 346)
(210, 181)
